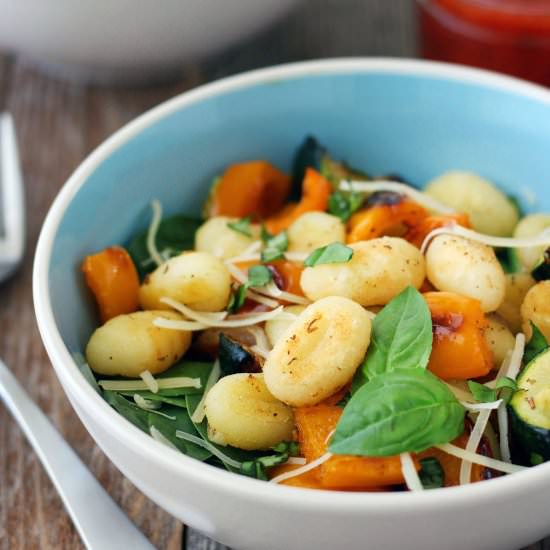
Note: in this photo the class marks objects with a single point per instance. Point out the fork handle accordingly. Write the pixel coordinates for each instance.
(99, 521)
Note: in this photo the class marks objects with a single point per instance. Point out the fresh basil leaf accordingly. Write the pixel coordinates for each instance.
(275, 247)
(333, 253)
(401, 335)
(233, 357)
(182, 422)
(237, 299)
(271, 255)
(241, 226)
(344, 204)
(130, 411)
(536, 344)
(404, 410)
(291, 448)
(431, 473)
(259, 275)
(506, 382)
(481, 393)
(175, 234)
(265, 235)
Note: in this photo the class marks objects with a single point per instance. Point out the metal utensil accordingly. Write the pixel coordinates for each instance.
(12, 226)
(99, 521)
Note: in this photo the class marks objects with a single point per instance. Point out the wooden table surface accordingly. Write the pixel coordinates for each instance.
(58, 124)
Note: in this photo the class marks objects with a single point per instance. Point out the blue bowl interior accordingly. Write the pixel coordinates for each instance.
(416, 126)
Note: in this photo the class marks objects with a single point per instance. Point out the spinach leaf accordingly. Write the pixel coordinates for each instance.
(127, 409)
(431, 473)
(404, 410)
(241, 226)
(89, 376)
(344, 204)
(333, 253)
(401, 335)
(175, 401)
(192, 369)
(537, 344)
(175, 234)
(182, 422)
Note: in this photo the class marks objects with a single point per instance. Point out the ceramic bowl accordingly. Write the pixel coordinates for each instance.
(128, 40)
(408, 117)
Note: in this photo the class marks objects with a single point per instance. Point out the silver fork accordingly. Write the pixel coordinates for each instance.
(100, 522)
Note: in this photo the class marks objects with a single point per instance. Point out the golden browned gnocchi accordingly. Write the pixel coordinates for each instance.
(531, 225)
(314, 230)
(378, 270)
(217, 238)
(319, 353)
(275, 328)
(197, 279)
(517, 286)
(536, 308)
(456, 264)
(129, 344)
(499, 338)
(489, 209)
(243, 413)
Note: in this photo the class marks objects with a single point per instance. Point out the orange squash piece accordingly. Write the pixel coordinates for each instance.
(253, 188)
(315, 426)
(417, 233)
(112, 277)
(384, 219)
(315, 194)
(460, 349)
(290, 273)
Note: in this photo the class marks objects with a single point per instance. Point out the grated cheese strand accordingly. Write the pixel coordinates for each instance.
(200, 411)
(542, 239)
(397, 187)
(409, 473)
(476, 407)
(234, 322)
(150, 381)
(302, 470)
(472, 445)
(262, 352)
(260, 337)
(209, 447)
(152, 233)
(486, 461)
(158, 436)
(296, 460)
(264, 300)
(517, 356)
(204, 317)
(146, 404)
(163, 384)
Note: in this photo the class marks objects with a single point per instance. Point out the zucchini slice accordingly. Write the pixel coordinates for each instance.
(530, 412)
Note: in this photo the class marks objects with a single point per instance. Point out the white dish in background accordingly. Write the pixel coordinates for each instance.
(128, 40)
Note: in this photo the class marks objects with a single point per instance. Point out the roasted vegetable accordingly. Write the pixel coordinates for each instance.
(541, 272)
(253, 188)
(529, 411)
(417, 233)
(460, 349)
(113, 279)
(235, 357)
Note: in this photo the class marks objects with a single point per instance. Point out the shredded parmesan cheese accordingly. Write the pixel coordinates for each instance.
(302, 470)
(491, 406)
(163, 384)
(260, 337)
(475, 458)
(209, 447)
(264, 300)
(152, 232)
(517, 355)
(200, 411)
(150, 381)
(155, 434)
(236, 321)
(397, 187)
(146, 404)
(204, 317)
(542, 239)
(300, 460)
(263, 353)
(409, 473)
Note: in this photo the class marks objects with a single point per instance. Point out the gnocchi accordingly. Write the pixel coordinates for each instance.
(197, 279)
(489, 209)
(499, 338)
(314, 230)
(536, 308)
(517, 286)
(456, 264)
(217, 238)
(242, 412)
(531, 225)
(129, 344)
(378, 270)
(319, 352)
(275, 328)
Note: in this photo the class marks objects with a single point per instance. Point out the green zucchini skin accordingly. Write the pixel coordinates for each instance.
(527, 441)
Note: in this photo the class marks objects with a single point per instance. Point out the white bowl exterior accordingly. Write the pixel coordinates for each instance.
(249, 514)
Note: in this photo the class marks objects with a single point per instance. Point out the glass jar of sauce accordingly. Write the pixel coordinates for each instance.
(510, 36)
